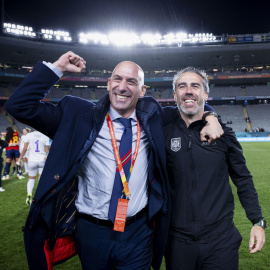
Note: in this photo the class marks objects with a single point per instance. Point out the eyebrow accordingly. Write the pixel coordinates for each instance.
(184, 83)
(133, 80)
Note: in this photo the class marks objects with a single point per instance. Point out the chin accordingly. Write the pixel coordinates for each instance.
(188, 111)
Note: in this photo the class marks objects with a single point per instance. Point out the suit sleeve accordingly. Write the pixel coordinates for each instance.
(26, 104)
(241, 177)
(208, 108)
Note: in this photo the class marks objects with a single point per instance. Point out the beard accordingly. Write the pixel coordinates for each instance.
(181, 107)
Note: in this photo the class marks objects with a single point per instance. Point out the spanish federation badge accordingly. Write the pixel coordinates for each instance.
(176, 144)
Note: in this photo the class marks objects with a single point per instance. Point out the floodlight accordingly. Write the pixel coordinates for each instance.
(123, 38)
(181, 36)
(67, 38)
(82, 38)
(55, 35)
(151, 39)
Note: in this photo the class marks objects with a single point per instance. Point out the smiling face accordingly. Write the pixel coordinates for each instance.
(190, 95)
(125, 87)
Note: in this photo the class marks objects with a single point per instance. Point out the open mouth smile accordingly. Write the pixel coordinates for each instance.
(189, 100)
(121, 97)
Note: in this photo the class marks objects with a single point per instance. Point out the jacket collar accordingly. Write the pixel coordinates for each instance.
(145, 108)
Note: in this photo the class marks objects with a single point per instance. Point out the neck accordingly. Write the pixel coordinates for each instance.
(188, 118)
(124, 114)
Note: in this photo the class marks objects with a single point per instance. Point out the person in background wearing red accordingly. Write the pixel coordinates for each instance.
(12, 150)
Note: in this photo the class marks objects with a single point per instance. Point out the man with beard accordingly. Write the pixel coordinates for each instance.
(81, 172)
(202, 234)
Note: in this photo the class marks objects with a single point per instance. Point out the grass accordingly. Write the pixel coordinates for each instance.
(13, 213)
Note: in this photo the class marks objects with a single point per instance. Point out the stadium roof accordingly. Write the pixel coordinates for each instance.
(28, 52)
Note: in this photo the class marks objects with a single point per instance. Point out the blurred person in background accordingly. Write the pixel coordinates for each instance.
(38, 146)
(12, 151)
(25, 157)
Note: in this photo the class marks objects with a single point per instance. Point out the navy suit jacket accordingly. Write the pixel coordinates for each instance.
(73, 124)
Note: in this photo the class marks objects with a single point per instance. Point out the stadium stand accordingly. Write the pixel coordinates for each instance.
(4, 123)
(234, 72)
(258, 90)
(55, 93)
(225, 91)
(2, 92)
(233, 114)
(11, 88)
(259, 116)
(166, 93)
(100, 93)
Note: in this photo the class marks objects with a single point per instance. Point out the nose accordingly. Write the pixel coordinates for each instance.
(189, 89)
(122, 85)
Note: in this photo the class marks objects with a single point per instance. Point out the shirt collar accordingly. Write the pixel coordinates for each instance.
(115, 115)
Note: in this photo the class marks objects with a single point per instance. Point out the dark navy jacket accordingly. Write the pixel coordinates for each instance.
(74, 124)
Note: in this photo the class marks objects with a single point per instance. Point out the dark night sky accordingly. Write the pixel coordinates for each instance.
(192, 16)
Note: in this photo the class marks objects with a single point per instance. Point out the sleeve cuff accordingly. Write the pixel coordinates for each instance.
(53, 68)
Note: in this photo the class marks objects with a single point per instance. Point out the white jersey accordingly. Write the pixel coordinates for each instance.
(22, 142)
(37, 142)
(22, 145)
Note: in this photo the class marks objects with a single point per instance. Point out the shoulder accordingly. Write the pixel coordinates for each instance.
(170, 113)
(150, 100)
(148, 106)
(28, 136)
(228, 131)
(229, 136)
(73, 104)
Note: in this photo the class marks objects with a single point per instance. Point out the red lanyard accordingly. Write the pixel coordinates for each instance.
(117, 154)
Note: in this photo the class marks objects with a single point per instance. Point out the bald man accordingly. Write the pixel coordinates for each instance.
(71, 210)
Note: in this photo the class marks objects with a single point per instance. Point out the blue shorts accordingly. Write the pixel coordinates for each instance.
(12, 154)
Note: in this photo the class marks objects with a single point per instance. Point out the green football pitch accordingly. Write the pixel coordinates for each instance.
(13, 212)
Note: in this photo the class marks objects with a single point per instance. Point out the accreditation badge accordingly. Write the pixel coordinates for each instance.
(121, 215)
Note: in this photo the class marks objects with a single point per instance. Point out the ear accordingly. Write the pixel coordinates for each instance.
(205, 96)
(143, 91)
(175, 98)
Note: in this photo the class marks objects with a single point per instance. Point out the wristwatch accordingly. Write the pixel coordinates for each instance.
(261, 223)
(209, 113)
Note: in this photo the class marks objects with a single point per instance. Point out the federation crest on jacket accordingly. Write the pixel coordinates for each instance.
(176, 144)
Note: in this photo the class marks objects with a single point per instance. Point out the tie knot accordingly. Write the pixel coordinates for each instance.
(125, 122)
